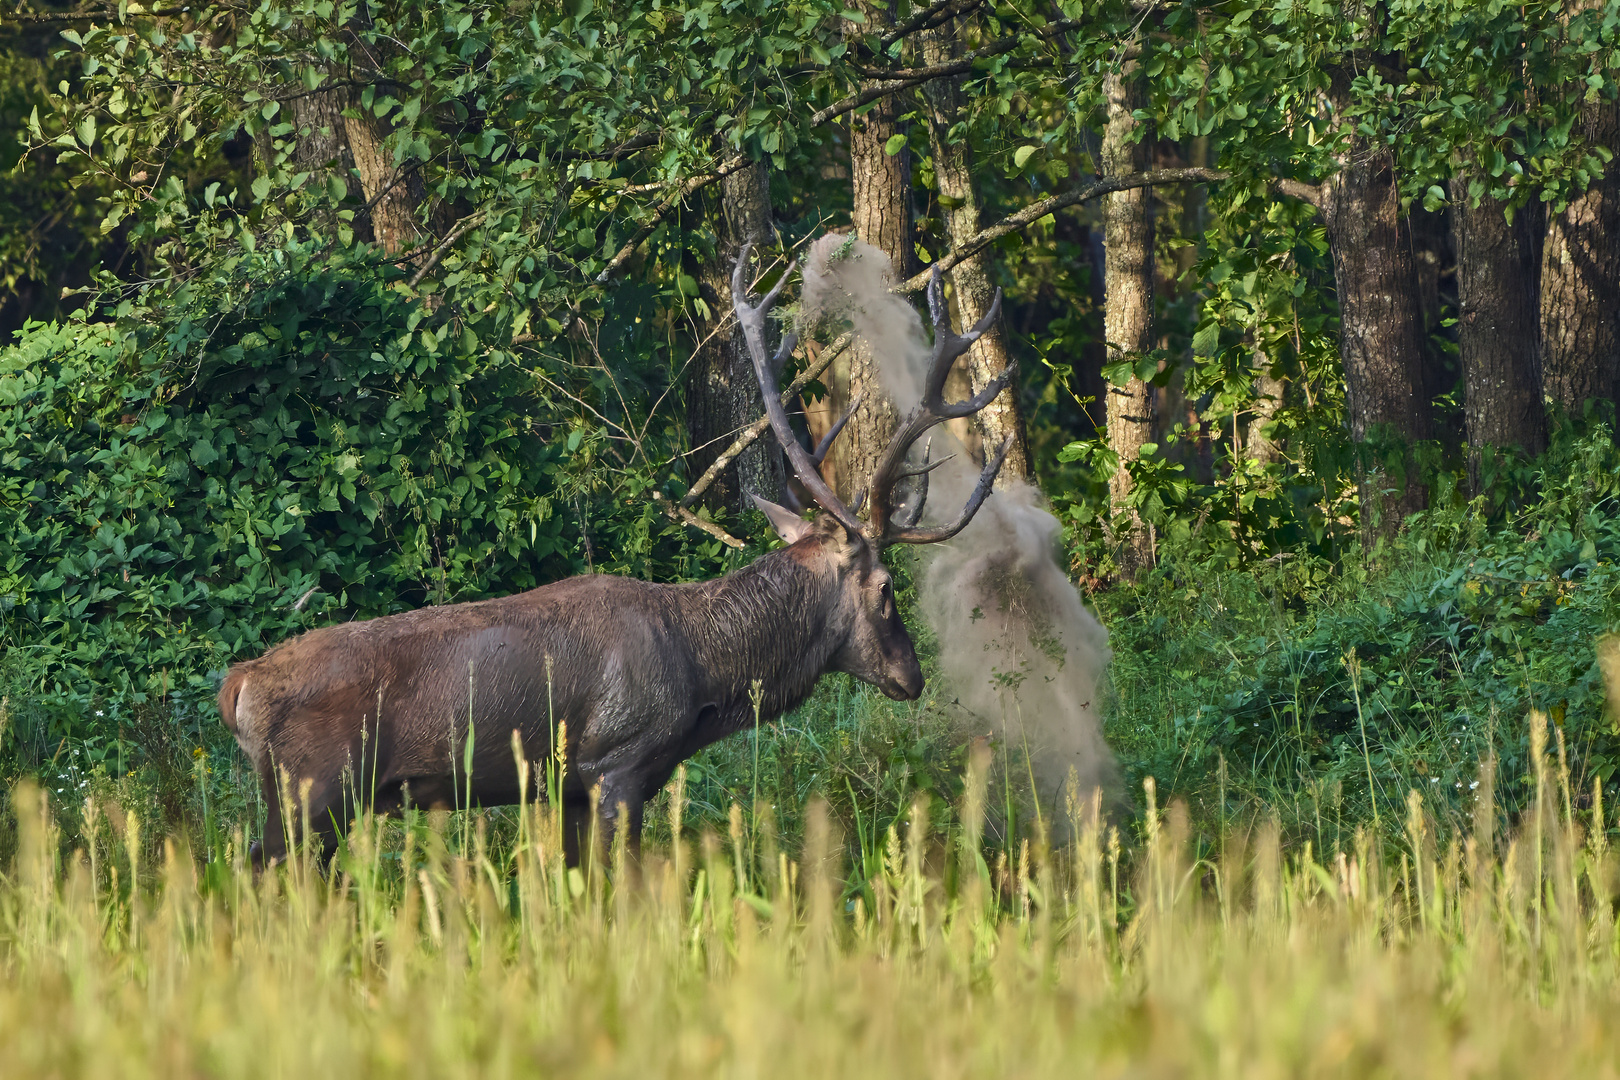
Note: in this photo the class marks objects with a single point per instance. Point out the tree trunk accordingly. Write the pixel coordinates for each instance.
(393, 199)
(331, 143)
(1580, 282)
(1260, 446)
(881, 215)
(722, 392)
(323, 143)
(1128, 320)
(1381, 336)
(959, 197)
(1497, 328)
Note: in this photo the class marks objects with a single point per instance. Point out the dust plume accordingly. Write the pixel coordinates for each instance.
(1023, 658)
(849, 279)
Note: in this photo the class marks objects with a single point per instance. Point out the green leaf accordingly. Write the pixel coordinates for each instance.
(261, 187)
(85, 129)
(1024, 153)
(895, 144)
(1207, 338)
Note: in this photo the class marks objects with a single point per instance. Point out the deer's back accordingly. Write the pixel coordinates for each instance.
(616, 658)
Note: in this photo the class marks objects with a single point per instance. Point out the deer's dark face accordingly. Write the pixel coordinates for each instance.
(878, 650)
(874, 646)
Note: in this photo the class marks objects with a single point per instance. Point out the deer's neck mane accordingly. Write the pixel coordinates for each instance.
(775, 620)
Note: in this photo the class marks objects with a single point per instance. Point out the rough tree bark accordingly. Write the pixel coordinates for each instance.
(881, 214)
(1128, 286)
(970, 280)
(322, 142)
(722, 394)
(1580, 282)
(1381, 335)
(393, 198)
(1497, 332)
(353, 148)
(1258, 445)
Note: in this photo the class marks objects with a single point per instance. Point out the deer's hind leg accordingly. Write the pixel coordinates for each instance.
(289, 805)
(271, 847)
(619, 805)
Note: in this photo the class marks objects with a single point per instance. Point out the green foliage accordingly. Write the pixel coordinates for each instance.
(50, 235)
(1434, 651)
(1260, 312)
(172, 501)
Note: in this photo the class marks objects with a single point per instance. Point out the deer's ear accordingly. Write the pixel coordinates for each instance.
(789, 526)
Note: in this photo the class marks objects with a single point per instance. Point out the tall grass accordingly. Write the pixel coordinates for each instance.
(432, 948)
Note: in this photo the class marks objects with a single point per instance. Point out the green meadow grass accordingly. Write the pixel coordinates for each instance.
(461, 945)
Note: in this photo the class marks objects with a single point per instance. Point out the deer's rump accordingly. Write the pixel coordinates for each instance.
(390, 701)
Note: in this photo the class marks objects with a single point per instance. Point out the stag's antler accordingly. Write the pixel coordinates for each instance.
(889, 524)
(887, 527)
(767, 370)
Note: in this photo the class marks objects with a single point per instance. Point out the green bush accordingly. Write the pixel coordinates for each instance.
(1410, 665)
(168, 504)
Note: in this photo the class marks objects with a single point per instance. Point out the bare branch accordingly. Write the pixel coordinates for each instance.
(759, 427)
(467, 223)
(904, 77)
(681, 514)
(1037, 210)
(97, 13)
(1298, 189)
(616, 264)
(616, 151)
(929, 17)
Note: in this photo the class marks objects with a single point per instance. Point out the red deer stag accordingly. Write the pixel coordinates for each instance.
(643, 675)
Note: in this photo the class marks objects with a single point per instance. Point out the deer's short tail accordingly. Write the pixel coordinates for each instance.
(229, 692)
(241, 710)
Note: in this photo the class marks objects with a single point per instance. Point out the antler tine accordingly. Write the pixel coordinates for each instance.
(932, 410)
(911, 512)
(933, 535)
(790, 341)
(819, 454)
(979, 400)
(926, 467)
(739, 288)
(938, 314)
(752, 320)
(949, 345)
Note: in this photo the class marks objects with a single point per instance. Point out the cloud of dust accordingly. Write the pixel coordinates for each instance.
(1020, 651)
(846, 278)
(1023, 657)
